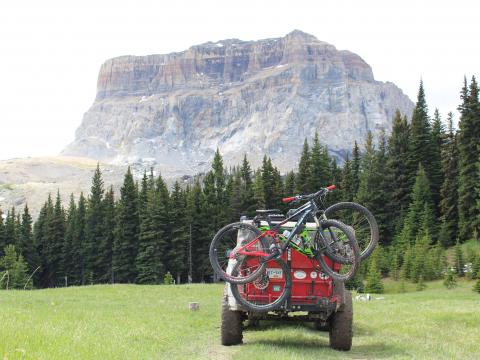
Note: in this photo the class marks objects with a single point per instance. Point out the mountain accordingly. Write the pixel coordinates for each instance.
(256, 97)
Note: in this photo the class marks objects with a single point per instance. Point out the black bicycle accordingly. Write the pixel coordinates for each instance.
(239, 252)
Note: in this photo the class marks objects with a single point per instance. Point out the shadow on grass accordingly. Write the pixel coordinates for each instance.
(303, 342)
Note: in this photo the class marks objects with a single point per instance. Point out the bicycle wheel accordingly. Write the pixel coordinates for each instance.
(351, 252)
(230, 238)
(361, 220)
(266, 293)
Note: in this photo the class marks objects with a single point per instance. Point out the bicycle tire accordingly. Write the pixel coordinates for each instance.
(220, 244)
(366, 242)
(260, 294)
(355, 259)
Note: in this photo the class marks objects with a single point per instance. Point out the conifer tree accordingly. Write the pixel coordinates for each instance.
(450, 281)
(290, 184)
(152, 240)
(372, 192)
(198, 242)
(105, 248)
(11, 235)
(449, 190)
(42, 238)
(374, 283)
(258, 193)
(126, 234)
(246, 195)
(68, 257)
(320, 165)
(346, 183)
(220, 182)
(27, 246)
(397, 169)
(419, 210)
(54, 252)
(304, 171)
(469, 155)
(2, 234)
(435, 164)
(356, 159)
(476, 268)
(459, 261)
(420, 145)
(235, 201)
(476, 287)
(180, 234)
(268, 182)
(78, 273)
(94, 229)
(15, 266)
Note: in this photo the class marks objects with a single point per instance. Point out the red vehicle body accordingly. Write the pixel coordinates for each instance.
(311, 289)
(321, 300)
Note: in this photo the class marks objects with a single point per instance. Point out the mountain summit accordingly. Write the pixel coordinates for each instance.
(256, 97)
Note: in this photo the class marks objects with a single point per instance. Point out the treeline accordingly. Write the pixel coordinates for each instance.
(421, 182)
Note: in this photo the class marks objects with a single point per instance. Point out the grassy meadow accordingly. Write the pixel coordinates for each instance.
(153, 322)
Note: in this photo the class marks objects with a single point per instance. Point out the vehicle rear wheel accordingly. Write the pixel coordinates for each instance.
(232, 325)
(341, 326)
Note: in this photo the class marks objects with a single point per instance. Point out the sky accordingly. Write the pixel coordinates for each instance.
(51, 51)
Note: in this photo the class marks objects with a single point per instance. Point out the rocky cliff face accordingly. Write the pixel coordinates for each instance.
(255, 97)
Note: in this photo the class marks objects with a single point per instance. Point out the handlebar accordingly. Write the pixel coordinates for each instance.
(309, 196)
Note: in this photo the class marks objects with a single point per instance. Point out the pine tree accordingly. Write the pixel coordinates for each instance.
(198, 242)
(420, 145)
(78, 273)
(356, 159)
(419, 209)
(68, 257)
(476, 268)
(127, 231)
(27, 246)
(180, 234)
(459, 261)
(11, 234)
(3, 242)
(372, 192)
(15, 266)
(304, 171)
(235, 196)
(449, 190)
(320, 165)
(55, 250)
(105, 248)
(435, 163)
(395, 267)
(469, 154)
(221, 198)
(246, 195)
(397, 169)
(290, 184)
(42, 238)
(258, 194)
(450, 281)
(94, 229)
(346, 184)
(374, 283)
(151, 239)
(268, 182)
(476, 287)
(421, 284)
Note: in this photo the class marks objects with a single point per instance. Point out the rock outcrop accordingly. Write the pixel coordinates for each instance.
(255, 97)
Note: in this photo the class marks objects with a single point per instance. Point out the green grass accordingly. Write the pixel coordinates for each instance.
(153, 322)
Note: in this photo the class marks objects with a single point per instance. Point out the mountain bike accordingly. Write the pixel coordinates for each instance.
(239, 252)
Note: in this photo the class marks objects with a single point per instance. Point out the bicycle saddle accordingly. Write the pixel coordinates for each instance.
(268, 211)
